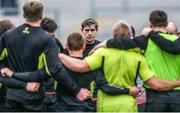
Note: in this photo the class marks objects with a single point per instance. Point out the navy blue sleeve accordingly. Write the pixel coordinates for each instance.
(2, 48)
(106, 88)
(127, 43)
(11, 82)
(37, 76)
(60, 47)
(172, 47)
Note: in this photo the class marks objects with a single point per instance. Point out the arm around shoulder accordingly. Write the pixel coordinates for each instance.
(74, 64)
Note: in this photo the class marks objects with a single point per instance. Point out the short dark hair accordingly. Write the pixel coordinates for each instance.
(48, 25)
(158, 18)
(33, 11)
(88, 22)
(75, 41)
(5, 25)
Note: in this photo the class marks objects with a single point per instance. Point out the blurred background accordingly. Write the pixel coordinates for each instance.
(70, 13)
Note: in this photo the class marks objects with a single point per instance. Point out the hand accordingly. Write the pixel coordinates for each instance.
(83, 94)
(32, 86)
(134, 91)
(102, 44)
(6, 72)
(146, 31)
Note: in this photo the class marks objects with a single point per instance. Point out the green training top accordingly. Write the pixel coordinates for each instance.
(120, 68)
(164, 65)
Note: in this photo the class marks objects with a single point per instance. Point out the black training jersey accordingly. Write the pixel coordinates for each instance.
(60, 47)
(28, 49)
(89, 47)
(23, 50)
(50, 84)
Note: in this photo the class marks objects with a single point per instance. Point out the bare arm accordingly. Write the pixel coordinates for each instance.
(73, 64)
(147, 75)
(162, 85)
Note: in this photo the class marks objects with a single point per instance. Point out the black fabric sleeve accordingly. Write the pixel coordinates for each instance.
(172, 47)
(56, 69)
(3, 63)
(2, 47)
(108, 89)
(12, 82)
(127, 43)
(9, 81)
(59, 45)
(121, 43)
(37, 76)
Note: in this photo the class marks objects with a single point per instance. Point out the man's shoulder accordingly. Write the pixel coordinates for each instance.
(97, 42)
(168, 36)
(10, 31)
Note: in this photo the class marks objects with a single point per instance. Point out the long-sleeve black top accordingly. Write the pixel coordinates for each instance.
(36, 76)
(89, 47)
(10, 82)
(27, 49)
(40, 76)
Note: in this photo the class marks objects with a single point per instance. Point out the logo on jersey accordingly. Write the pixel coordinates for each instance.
(26, 30)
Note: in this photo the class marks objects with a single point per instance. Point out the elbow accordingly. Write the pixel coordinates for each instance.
(78, 68)
(159, 87)
(107, 91)
(155, 84)
(75, 68)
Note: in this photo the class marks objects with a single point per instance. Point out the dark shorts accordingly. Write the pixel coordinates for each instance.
(2, 106)
(166, 101)
(30, 106)
(51, 103)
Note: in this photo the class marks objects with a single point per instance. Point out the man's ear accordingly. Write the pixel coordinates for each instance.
(151, 25)
(24, 15)
(166, 24)
(81, 30)
(67, 47)
(41, 16)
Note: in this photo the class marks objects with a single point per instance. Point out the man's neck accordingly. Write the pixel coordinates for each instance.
(34, 24)
(159, 29)
(76, 53)
(92, 42)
